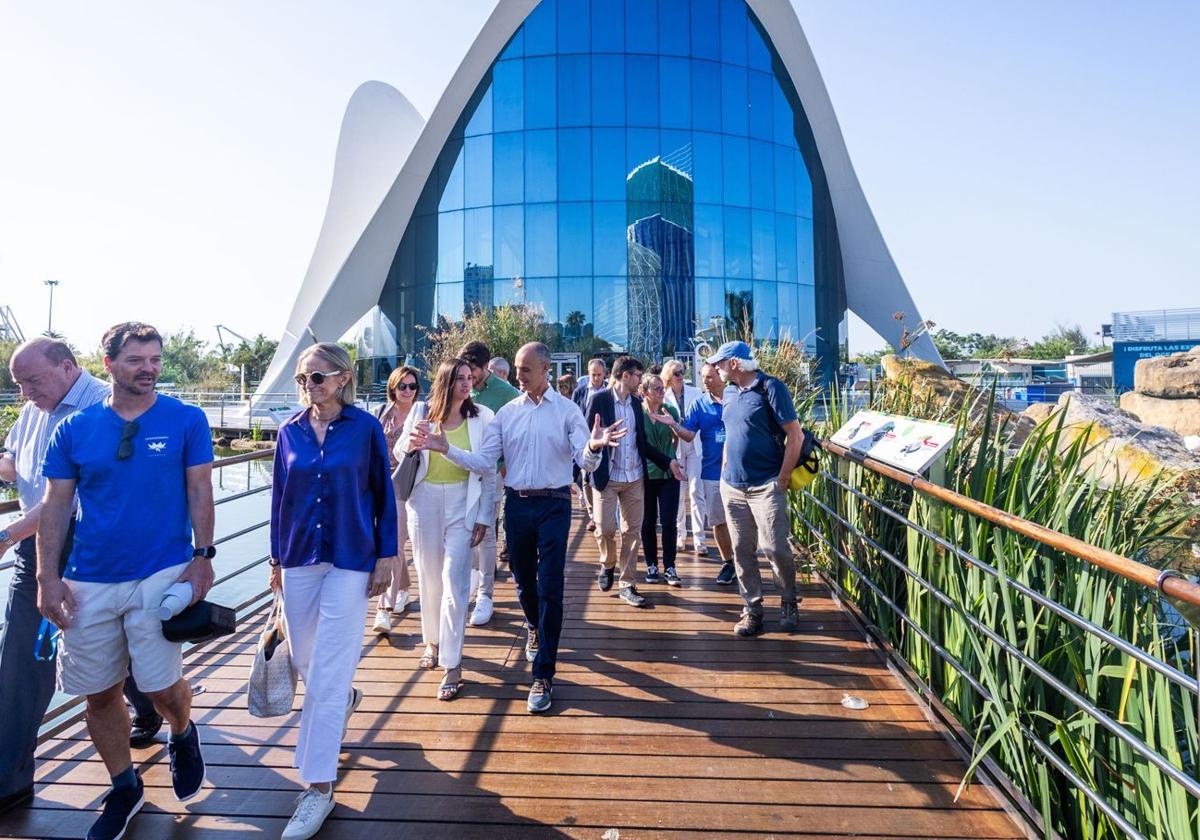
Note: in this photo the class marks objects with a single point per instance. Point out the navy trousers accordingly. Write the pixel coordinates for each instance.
(537, 530)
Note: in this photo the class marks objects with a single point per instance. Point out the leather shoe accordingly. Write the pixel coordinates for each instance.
(143, 730)
(606, 579)
(15, 799)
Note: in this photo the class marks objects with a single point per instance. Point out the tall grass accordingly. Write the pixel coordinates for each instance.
(1045, 481)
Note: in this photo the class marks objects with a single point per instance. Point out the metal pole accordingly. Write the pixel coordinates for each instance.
(50, 316)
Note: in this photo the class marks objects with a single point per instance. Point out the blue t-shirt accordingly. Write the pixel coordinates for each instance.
(133, 513)
(704, 417)
(754, 439)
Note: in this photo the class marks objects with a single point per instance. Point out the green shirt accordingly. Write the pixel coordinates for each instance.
(496, 392)
(661, 438)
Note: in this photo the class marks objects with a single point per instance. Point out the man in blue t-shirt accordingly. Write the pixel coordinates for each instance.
(141, 464)
(762, 446)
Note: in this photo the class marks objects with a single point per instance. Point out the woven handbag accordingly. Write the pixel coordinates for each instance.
(271, 689)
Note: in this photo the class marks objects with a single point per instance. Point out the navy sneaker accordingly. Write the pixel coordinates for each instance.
(119, 806)
(652, 573)
(671, 577)
(187, 765)
(606, 579)
(727, 575)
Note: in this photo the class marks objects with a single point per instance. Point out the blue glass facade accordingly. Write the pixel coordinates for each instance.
(634, 168)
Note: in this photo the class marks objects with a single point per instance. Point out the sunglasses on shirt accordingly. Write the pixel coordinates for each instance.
(125, 447)
(318, 377)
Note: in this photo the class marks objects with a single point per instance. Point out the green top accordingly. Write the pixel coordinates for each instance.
(661, 438)
(496, 392)
(441, 469)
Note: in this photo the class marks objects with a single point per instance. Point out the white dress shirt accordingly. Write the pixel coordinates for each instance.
(626, 462)
(539, 441)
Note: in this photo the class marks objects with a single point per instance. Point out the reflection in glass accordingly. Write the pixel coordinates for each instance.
(610, 305)
(450, 301)
(450, 246)
(478, 174)
(509, 238)
(608, 237)
(477, 245)
(766, 311)
(541, 240)
(739, 306)
(575, 239)
(450, 168)
(542, 293)
(762, 226)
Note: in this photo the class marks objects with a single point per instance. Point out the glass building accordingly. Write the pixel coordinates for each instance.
(634, 169)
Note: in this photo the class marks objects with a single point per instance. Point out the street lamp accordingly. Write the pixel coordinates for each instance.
(50, 317)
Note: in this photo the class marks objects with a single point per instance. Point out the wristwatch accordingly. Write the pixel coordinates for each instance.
(6, 537)
(207, 553)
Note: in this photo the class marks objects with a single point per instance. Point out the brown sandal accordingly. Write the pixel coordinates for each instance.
(428, 659)
(451, 683)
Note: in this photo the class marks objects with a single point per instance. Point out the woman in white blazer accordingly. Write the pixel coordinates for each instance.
(680, 397)
(449, 512)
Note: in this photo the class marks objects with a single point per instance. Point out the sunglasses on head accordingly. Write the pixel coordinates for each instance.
(403, 386)
(318, 377)
(125, 447)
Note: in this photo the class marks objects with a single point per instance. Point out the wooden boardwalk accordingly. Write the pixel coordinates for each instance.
(664, 725)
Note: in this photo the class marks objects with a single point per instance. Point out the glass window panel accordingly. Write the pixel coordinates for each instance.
(509, 291)
(450, 246)
(737, 242)
(641, 146)
(762, 175)
(608, 26)
(610, 303)
(609, 237)
(574, 90)
(516, 45)
(542, 293)
(675, 92)
(574, 164)
(477, 245)
(541, 240)
(540, 29)
(782, 120)
(541, 96)
(706, 107)
(806, 316)
(785, 180)
(785, 248)
(425, 235)
(673, 27)
(766, 311)
(478, 287)
(641, 90)
(508, 96)
(710, 300)
(736, 163)
(641, 27)
(481, 118)
(805, 270)
(709, 240)
(739, 304)
(758, 53)
(733, 32)
(479, 171)
(608, 164)
(508, 167)
(450, 301)
(509, 243)
(735, 117)
(762, 233)
(541, 165)
(761, 104)
(450, 175)
(573, 26)
(804, 191)
(608, 90)
(705, 41)
(707, 171)
(575, 308)
(788, 312)
(575, 239)
(676, 150)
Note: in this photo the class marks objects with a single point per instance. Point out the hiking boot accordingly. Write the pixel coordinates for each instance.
(749, 624)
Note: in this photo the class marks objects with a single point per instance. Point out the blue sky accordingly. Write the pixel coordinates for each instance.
(1029, 163)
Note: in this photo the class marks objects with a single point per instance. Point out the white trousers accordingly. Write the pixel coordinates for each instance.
(441, 544)
(483, 556)
(325, 610)
(400, 581)
(691, 500)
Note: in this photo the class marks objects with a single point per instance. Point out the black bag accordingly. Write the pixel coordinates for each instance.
(201, 622)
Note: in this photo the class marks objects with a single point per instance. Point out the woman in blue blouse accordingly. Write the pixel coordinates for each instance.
(333, 544)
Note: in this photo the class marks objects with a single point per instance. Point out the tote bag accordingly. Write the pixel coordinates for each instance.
(404, 478)
(271, 690)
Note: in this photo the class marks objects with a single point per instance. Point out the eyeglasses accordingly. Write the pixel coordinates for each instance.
(318, 377)
(677, 375)
(404, 386)
(656, 389)
(125, 447)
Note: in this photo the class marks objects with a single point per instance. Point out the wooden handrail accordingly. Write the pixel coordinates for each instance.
(1148, 576)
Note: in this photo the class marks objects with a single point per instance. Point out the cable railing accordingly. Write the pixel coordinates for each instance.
(1114, 734)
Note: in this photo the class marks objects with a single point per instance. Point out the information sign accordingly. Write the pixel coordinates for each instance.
(902, 442)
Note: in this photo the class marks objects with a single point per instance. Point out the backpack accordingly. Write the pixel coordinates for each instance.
(808, 465)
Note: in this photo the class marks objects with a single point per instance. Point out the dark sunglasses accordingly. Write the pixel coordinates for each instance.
(404, 386)
(125, 447)
(318, 377)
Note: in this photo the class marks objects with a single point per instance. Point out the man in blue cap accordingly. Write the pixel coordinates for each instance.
(762, 446)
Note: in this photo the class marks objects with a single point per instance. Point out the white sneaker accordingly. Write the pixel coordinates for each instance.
(483, 611)
(403, 599)
(311, 810)
(383, 622)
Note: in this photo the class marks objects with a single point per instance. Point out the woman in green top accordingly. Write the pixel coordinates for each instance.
(662, 489)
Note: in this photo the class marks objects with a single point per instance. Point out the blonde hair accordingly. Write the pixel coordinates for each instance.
(336, 357)
(668, 371)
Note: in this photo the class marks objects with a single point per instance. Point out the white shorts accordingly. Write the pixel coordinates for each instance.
(114, 624)
(714, 508)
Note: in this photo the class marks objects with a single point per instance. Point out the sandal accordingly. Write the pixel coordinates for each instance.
(451, 683)
(428, 659)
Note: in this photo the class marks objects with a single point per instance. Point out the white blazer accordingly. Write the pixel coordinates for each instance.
(691, 393)
(481, 487)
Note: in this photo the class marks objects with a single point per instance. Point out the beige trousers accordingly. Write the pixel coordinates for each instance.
(628, 497)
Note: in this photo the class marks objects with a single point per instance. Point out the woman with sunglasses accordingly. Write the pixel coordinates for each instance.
(661, 497)
(680, 396)
(333, 545)
(449, 512)
(403, 388)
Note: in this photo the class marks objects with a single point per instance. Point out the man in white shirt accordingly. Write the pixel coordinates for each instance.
(539, 436)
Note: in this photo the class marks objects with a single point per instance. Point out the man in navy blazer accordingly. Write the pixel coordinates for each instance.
(618, 483)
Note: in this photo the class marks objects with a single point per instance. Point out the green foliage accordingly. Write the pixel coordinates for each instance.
(187, 361)
(1059, 343)
(502, 328)
(256, 356)
(7, 348)
(8, 416)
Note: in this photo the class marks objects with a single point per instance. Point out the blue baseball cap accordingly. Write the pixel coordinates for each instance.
(731, 350)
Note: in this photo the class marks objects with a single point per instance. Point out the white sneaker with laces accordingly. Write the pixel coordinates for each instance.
(311, 810)
(383, 623)
(403, 599)
(483, 611)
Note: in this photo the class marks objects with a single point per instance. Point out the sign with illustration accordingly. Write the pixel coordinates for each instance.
(902, 442)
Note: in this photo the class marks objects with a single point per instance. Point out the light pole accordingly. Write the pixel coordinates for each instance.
(50, 317)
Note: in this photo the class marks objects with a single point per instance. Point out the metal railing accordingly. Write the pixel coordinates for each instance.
(846, 544)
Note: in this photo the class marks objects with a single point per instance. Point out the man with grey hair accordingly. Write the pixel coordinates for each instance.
(499, 366)
(53, 386)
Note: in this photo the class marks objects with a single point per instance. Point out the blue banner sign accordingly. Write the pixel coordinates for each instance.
(1127, 353)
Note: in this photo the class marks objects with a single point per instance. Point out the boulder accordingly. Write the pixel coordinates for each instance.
(943, 391)
(1170, 377)
(1179, 415)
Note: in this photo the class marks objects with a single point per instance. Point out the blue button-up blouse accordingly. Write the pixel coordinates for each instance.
(333, 503)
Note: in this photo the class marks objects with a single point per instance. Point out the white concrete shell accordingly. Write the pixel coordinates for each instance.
(385, 155)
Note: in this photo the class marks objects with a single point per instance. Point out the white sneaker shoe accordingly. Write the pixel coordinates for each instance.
(383, 623)
(311, 810)
(483, 611)
(403, 599)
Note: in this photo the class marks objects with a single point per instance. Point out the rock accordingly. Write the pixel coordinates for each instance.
(1170, 377)
(1179, 415)
(943, 391)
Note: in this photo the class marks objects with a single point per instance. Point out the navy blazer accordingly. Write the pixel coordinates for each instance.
(580, 395)
(603, 403)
